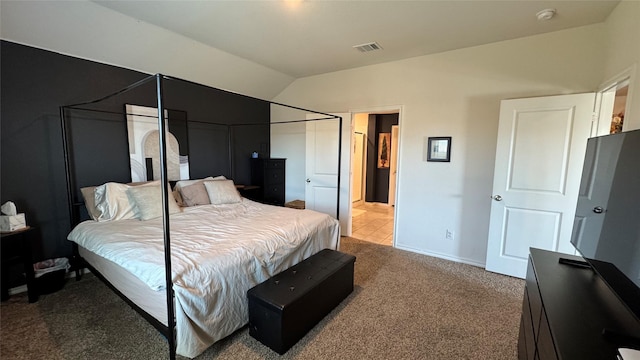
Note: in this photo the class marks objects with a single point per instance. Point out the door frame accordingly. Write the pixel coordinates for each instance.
(628, 75)
(389, 109)
(359, 171)
(393, 164)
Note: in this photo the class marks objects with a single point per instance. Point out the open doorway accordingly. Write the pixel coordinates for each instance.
(619, 108)
(373, 176)
(613, 106)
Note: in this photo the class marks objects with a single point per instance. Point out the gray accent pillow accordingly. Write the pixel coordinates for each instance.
(195, 194)
(177, 190)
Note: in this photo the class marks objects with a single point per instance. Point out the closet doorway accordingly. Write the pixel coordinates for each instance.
(375, 138)
(613, 106)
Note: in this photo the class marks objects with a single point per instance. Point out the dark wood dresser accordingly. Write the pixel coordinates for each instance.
(565, 310)
(269, 175)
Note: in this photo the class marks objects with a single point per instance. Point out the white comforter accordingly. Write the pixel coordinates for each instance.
(217, 254)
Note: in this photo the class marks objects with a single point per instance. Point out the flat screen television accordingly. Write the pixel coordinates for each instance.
(606, 230)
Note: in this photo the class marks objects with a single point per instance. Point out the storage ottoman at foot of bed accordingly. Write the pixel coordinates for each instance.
(284, 308)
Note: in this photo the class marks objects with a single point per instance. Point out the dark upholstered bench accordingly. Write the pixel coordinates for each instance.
(284, 308)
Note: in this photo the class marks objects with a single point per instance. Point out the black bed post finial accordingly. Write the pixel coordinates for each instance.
(164, 185)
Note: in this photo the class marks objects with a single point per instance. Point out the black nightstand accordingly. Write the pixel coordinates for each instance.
(16, 249)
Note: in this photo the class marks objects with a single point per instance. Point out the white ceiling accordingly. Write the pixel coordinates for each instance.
(303, 38)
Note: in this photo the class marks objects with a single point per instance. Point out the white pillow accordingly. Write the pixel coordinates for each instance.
(222, 192)
(147, 202)
(177, 189)
(112, 201)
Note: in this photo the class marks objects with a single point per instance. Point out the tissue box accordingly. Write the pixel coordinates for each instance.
(12, 222)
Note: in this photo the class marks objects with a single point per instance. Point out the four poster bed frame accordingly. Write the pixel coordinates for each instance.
(76, 204)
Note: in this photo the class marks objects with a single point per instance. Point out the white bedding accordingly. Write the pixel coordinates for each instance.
(218, 253)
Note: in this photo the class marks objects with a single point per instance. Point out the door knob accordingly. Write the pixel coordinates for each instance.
(497, 198)
(308, 181)
(598, 209)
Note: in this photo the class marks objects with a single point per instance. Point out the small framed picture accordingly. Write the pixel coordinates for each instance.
(439, 149)
(384, 148)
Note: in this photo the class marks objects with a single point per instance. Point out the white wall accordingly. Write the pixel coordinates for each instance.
(456, 94)
(622, 52)
(87, 30)
(288, 141)
(361, 125)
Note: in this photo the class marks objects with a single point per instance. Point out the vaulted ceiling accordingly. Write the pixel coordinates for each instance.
(303, 38)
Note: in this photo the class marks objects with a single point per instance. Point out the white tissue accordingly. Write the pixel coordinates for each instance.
(11, 220)
(9, 208)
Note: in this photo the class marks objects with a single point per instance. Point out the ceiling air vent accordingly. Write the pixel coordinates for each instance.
(372, 46)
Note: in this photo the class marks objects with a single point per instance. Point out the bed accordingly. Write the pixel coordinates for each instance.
(186, 269)
(218, 253)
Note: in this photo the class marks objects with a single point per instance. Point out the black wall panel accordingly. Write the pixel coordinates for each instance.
(209, 139)
(372, 160)
(35, 83)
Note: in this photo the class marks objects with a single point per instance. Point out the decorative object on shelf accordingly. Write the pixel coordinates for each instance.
(384, 146)
(11, 220)
(439, 148)
(254, 155)
(616, 123)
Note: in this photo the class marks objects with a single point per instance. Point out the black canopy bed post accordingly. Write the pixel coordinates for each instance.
(73, 207)
(339, 165)
(67, 165)
(164, 185)
(232, 169)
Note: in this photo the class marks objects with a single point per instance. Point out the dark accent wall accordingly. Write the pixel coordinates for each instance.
(377, 183)
(35, 83)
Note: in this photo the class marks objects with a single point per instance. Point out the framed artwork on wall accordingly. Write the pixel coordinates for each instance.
(384, 150)
(144, 146)
(439, 149)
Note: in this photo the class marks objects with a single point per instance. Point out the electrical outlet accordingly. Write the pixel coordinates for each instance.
(449, 235)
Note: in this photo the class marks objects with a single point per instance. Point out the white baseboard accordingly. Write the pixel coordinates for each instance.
(18, 290)
(442, 256)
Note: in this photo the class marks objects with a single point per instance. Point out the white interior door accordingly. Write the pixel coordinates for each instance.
(539, 156)
(321, 166)
(356, 170)
(393, 165)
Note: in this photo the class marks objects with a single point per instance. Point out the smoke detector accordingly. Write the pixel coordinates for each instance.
(372, 46)
(546, 14)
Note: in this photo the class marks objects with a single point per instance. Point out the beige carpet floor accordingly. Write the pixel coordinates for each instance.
(404, 306)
